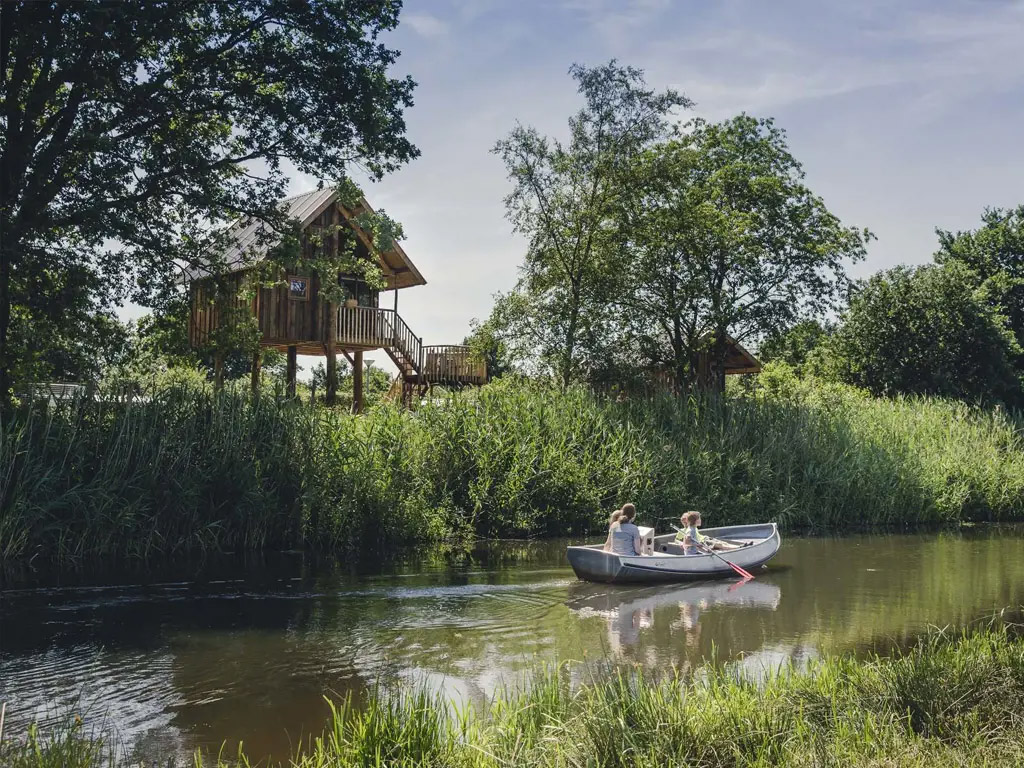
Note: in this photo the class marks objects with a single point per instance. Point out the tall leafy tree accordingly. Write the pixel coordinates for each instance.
(562, 199)
(995, 253)
(132, 130)
(929, 331)
(722, 238)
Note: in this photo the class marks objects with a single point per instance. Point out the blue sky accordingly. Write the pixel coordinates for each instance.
(906, 116)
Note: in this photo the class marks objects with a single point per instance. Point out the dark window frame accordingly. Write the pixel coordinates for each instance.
(292, 294)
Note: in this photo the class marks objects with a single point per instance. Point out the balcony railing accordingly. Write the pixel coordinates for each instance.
(373, 328)
(453, 363)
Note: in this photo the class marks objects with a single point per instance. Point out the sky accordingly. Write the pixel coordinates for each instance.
(906, 116)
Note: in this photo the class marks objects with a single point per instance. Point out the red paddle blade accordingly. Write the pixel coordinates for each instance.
(740, 571)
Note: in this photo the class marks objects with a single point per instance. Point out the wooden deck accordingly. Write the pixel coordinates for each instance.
(358, 329)
(453, 363)
(372, 328)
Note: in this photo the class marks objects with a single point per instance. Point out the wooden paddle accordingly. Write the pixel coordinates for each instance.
(747, 575)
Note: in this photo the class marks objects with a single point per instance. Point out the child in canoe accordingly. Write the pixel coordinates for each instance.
(696, 542)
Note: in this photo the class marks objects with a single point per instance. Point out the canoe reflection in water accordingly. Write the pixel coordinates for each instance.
(631, 610)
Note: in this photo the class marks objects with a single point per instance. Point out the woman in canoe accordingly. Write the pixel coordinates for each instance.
(623, 535)
(694, 541)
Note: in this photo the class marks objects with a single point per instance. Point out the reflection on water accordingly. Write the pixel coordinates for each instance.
(178, 657)
(635, 614)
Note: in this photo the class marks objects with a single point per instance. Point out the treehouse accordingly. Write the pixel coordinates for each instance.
(294, 317)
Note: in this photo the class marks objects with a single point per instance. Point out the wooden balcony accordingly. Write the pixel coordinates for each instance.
(452, 364)
(373, 328)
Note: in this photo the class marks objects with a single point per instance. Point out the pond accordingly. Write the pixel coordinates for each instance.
(196, 654)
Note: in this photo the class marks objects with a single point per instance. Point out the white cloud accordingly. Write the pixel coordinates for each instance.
(426, 25)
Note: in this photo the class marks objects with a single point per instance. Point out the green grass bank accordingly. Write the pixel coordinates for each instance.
(192, 470)
(949, 700)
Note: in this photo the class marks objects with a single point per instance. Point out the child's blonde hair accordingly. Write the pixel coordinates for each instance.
(691, 517)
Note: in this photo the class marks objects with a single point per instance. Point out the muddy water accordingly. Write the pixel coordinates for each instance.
(185, 655)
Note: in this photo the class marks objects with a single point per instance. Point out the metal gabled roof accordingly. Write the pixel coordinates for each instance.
(250, 239)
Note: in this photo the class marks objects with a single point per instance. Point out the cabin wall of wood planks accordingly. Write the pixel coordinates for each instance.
(204, 314)
(284, 319)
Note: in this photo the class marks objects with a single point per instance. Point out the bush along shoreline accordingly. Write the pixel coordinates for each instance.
(951, 699)
(188, 470)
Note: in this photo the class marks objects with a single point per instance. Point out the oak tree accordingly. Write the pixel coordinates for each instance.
(131, 131)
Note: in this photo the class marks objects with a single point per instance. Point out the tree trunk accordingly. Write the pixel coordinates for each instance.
(357, 383)
(6, 363)
(570, 342)
(293, 367)
(716, 367)
(254, 373)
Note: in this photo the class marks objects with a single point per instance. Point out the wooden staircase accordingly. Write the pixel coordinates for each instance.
(420, 367)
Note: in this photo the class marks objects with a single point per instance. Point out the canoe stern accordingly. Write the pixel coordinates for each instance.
(594, 564)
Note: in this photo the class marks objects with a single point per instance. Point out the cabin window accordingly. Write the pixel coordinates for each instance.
(360, 291)
(298, 287)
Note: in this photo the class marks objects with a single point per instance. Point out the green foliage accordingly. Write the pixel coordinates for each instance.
(795, 345)
(376, 384)
(995, 253)
(947, 700)
(928, 331)
(721, 237)
(335, 248)
(131, 129)
(495, 339)
(65, 745)
(62, 327)
(561, 201)
(188, 469)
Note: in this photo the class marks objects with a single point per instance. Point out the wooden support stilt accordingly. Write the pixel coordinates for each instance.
(218, 370)
(331, 393)
(254, 372)
(293, 369)
(357, 383)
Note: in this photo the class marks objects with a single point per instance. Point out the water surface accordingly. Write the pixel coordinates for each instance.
(186, 654)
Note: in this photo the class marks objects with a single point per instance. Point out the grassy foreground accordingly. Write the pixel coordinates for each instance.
(947, 701)
(193, 470)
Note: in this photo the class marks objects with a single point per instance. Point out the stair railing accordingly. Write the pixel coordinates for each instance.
(375, 327)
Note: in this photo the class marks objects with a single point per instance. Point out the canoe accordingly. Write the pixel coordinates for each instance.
(668, 563)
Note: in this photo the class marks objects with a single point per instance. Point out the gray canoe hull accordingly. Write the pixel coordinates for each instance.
(592, 563)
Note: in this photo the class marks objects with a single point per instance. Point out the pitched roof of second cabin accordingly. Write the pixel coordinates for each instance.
(245, 247)
(738, 359)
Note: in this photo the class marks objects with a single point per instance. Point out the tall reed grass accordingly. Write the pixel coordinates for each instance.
(188, 469)
(949, 700)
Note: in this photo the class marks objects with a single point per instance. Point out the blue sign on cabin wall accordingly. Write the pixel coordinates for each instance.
(298, 287)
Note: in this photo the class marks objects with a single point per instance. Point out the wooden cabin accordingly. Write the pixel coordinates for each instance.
(292, 317)
(663, 378)
(737, 361)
